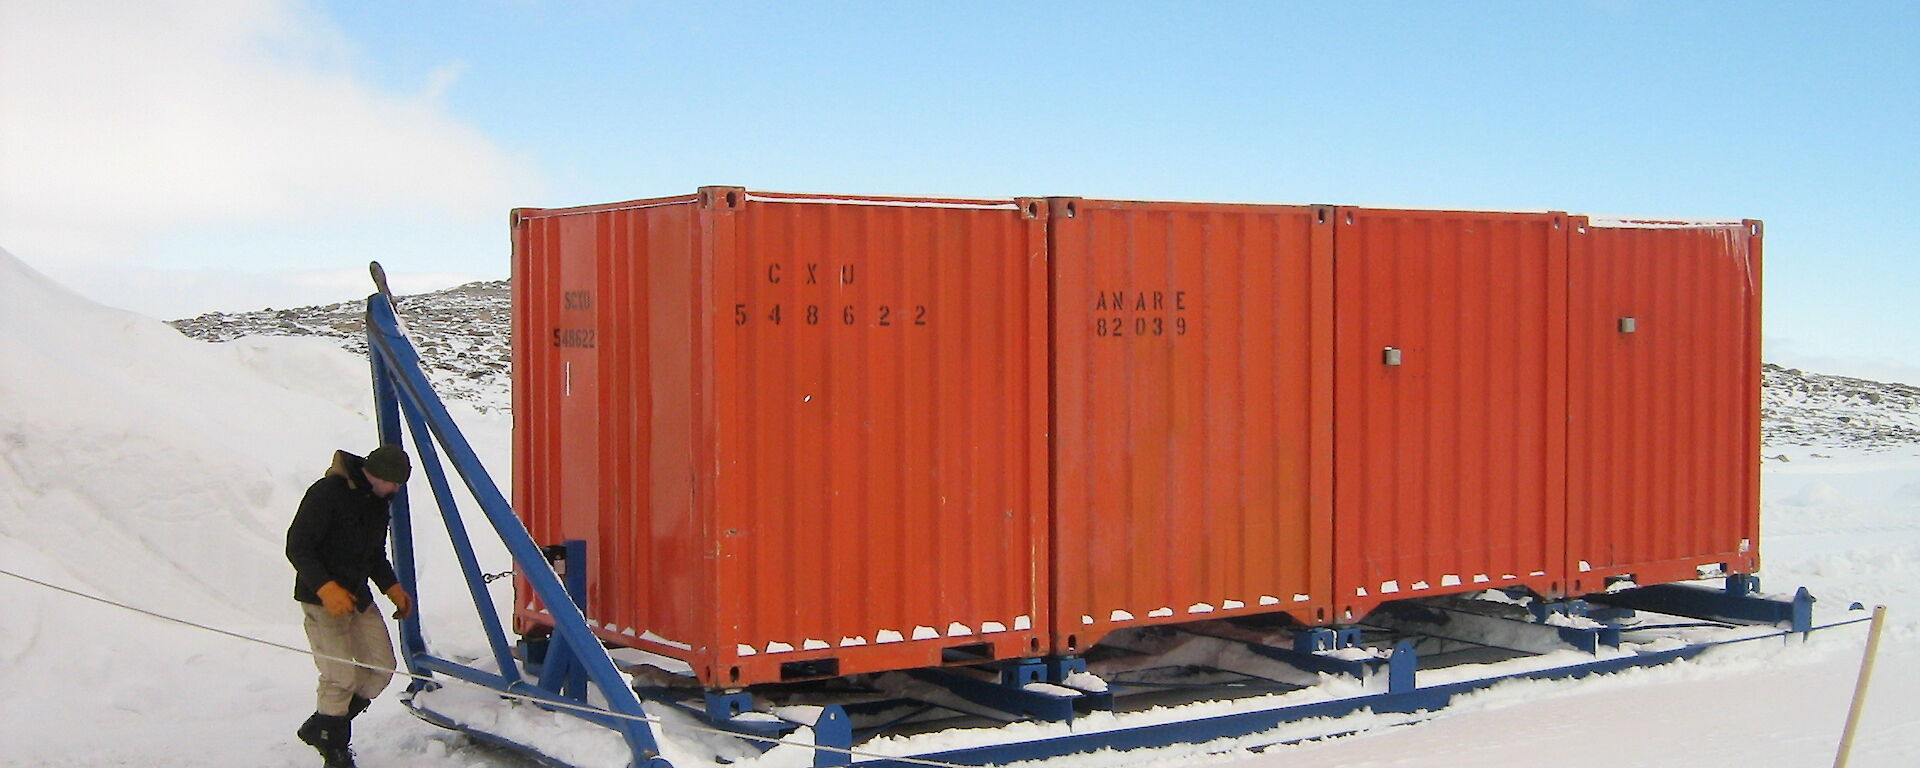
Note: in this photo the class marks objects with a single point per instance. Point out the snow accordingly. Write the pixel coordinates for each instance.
(1355, 653)
(1629, 222)
(1573, 622)
(147, 467)
(1085, 682)
(890, 202)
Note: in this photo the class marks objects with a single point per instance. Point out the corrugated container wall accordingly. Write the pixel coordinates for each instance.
(1450, 417)
(1663, 464)
(1192, 413)
(802, 436)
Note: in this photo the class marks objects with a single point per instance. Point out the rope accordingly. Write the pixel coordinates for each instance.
(579, 708)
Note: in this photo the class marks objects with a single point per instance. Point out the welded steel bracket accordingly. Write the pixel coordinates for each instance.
(1739, 601)
(1402, 668)
(832, 728)
(1519, 632)
(1318, 639)
(1023, 689)
(1059, 667)
(1586, 638)
(1314, 650)
(726, 706)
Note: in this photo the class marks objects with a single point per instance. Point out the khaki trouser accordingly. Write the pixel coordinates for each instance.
(360, 636)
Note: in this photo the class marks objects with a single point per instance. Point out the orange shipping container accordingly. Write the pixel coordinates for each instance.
(1663, 450)
(1192, 413)
(802, 436)
(808, 436)
(1450, 417)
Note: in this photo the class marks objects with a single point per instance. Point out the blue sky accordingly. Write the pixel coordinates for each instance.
(405, 131)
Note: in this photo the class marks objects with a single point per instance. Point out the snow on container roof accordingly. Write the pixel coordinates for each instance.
(1628, 222)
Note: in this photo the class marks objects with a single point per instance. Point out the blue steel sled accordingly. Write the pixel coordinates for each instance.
(574, 656)
(1394, 644)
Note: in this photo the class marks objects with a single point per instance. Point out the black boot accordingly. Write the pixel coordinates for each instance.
(341, 756)
(313, 732)
(357, 705)
(328, 734)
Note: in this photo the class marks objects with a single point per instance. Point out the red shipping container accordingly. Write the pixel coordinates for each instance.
(1450, 413)
(801, 436)
(1192, 413)
(1664, 436)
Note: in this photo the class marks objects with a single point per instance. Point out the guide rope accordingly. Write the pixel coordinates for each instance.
(580, 708)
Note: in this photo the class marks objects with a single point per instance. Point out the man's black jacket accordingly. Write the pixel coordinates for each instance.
(340, 534)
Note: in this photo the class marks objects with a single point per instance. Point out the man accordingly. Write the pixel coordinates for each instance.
(338, 540)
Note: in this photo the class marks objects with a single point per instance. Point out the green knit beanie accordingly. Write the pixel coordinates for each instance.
(389, 463)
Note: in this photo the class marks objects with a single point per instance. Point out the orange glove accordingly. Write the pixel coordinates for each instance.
(335, 598)
(402, 602)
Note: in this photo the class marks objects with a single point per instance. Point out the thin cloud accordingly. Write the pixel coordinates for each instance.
(121, 122)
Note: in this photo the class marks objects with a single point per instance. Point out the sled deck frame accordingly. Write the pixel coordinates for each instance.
(573, 673)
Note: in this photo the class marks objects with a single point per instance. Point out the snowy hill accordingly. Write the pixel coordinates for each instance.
(1811, 409)
(462, 332)
(146, 467)
(463, 335)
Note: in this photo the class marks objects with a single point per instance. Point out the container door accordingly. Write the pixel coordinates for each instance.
(1192, 413)
(1450, 403)
(879, 383)
(556, 380)
(1663, 442)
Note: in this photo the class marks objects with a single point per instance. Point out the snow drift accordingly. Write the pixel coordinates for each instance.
(123, 442)
(150, 468)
